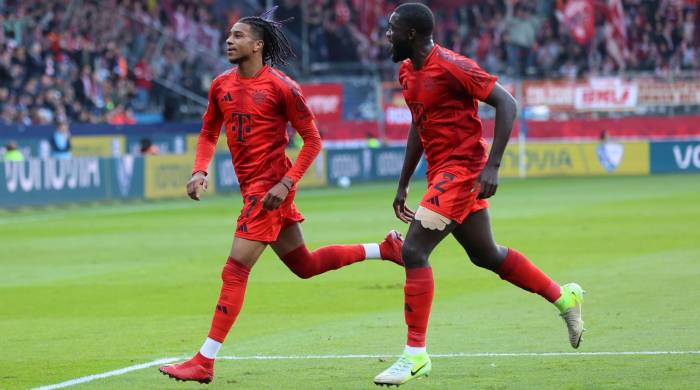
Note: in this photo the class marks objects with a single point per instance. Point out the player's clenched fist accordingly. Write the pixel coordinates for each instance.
(277, 194)
(197, 184)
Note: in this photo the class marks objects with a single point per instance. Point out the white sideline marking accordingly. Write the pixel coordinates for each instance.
(107, 374)
(125, 370)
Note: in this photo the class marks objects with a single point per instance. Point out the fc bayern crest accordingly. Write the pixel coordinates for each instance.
(259, 96)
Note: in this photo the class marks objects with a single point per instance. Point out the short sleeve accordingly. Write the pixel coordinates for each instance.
(470, 77)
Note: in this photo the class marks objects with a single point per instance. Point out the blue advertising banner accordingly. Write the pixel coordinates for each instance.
(36, 182)
(675, 156)
(225, 176)
(388, 162)
(353, 164)
(126, 179)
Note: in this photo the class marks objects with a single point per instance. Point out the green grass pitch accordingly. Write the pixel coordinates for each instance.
(90, 289)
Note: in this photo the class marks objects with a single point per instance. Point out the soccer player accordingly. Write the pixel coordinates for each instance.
(255, 102)
(442, 90)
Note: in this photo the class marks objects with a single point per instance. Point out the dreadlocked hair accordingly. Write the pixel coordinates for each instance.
(276, 48)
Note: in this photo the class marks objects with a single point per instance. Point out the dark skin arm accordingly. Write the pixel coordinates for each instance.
(506, 111)
(414, 151)
(277, 194)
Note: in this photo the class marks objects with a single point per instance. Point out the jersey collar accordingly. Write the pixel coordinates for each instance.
(430, 55)
(260, 72)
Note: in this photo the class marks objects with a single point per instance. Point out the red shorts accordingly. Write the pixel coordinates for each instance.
(450, 195)
(257, 224)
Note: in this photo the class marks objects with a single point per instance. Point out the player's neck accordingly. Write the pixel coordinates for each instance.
(250, 68)
(420, 54)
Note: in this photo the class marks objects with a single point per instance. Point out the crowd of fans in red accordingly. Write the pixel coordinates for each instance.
(97, 62)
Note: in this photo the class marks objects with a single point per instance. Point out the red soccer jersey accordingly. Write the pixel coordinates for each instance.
(443, 98)
(255, 112)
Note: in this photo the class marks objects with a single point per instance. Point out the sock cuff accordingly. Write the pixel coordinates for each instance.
(299, 252)
(236, 267)
(510, 263)
(372, 251)
(419, 273)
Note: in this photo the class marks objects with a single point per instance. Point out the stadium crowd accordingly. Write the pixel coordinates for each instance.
(97, 62)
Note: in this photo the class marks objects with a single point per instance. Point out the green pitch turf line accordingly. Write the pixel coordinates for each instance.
(142, 366)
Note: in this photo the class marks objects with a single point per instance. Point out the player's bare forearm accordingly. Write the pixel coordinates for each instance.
(506, 111)
(414, 151)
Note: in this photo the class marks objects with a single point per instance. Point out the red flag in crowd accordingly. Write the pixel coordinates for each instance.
(578, 16)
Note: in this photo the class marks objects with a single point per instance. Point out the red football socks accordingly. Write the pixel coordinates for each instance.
(306, 264)
(520, 271)
(418, 298)
(235, 278)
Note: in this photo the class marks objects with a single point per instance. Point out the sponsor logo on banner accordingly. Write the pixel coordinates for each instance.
(389, 163)
(345, 165)
(664, 93)
(606, 94)
(610, 155)
(325, 100)
(579, 159)
(687, 156)
(125, 172)
(675, 156)
(52, 175)
(556, 95)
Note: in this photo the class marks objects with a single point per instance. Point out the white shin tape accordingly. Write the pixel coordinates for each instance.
(431, 220)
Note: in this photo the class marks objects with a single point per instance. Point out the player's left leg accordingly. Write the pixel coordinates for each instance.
(200, 368)
(476, 237)
(292, 250)
(426, 231)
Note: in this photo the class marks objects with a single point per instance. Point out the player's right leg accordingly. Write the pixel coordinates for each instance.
(475, 235)
(425, 232)
(200, 368)
(292, 250)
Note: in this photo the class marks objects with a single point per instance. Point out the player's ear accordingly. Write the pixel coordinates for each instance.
(258, 45)
(411, 34)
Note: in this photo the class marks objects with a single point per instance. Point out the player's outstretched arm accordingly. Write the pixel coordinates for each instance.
(506, 110)
(414, 151)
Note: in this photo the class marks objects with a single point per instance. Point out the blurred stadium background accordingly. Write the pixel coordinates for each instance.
(607, 89)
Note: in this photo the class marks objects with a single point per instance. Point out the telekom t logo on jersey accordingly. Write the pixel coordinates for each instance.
(241, 125)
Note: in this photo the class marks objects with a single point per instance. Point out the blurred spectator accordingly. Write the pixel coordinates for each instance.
(149, 148)
(521, 26)
(60, 142)
(12, 152)
(64, 63)
(372, 141)
(121, 116)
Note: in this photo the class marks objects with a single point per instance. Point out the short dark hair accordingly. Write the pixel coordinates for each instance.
(417, 16)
